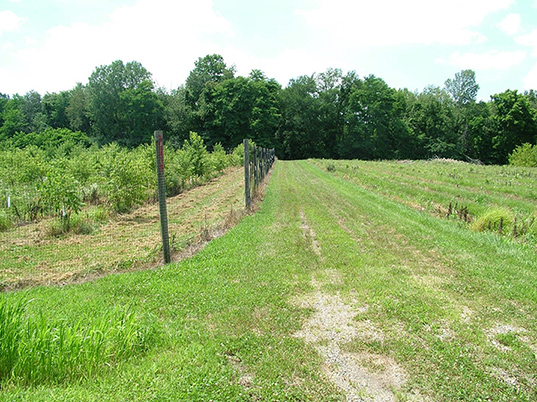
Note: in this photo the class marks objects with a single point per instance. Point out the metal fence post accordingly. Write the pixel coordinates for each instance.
(246, 174)
(159, 148)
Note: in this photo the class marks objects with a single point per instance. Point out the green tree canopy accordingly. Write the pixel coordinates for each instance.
(516, 123)
(122, 105)
(463, 88)
(208, 69)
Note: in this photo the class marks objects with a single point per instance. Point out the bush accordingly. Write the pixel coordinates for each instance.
(59, 191)
(125, 178)
(524, 155)
(197, 155)
(220, 159)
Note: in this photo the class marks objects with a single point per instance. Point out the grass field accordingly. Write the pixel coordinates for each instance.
(351, 281)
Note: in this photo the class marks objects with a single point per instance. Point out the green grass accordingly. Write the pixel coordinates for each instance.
(39, 349)
(446, 188)
(453, 307)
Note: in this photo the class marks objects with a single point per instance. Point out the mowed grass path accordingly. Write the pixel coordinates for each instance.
(330, 291)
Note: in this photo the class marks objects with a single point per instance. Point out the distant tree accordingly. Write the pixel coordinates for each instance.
(122, 105)
(22, 114)
(463, 88)
(55, 109)
(4, 99)
(331, 107)
(374, 127)
(516, 123)
(210, 68)
(481, 130)
(32, 109)
(300, 135)
(430, 119)
(239, 108)
(77, 110)
(13, 118)
(266, 114)
(178, 115)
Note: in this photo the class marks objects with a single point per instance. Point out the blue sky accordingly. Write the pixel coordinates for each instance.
(50, 45)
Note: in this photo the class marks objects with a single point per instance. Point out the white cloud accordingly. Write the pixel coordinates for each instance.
(395, 22)
(166, 37)
(528, 40)
(290, 63)
(510, 24)
(530, 80)
(9, 21)
(493, 60)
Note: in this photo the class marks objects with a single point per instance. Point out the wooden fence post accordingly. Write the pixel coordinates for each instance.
(256, 168)
(159, 148)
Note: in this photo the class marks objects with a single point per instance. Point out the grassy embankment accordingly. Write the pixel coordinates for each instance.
(431, 309)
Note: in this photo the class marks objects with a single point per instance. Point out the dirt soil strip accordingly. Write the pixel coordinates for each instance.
(127, 242)
(361, 376)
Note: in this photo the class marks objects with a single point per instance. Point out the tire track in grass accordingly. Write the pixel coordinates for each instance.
(333, 323)
(430, 290)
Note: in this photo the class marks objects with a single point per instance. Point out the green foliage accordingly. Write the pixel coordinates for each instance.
(325, 115)
(125, 178)
(6, 221)
(59, 191)
(493, 218)
(196, 153)
(52, 181)
(219, 158)
(516, 123)
(37, 349)
(463, 88)
(207, 70)
(524, 155)
(122, 105)
(59, 141)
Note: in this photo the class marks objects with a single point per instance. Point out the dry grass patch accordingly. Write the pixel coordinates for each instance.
(126, 242)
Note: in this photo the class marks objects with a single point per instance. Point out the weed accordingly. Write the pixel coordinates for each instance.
(35, 349)
(6, 221)
(496, 219)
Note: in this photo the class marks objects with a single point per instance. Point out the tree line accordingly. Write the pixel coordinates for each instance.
(324, 115)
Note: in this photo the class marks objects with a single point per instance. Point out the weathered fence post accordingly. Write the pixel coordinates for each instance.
(159, 148)
(256, 168)
(246, 174)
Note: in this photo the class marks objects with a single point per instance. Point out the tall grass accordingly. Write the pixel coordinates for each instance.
(36, 349)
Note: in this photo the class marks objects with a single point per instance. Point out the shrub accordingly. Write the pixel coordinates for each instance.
(60, 192)
(524, 155)
(197, 155)
(220, 159)
(125, 179)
